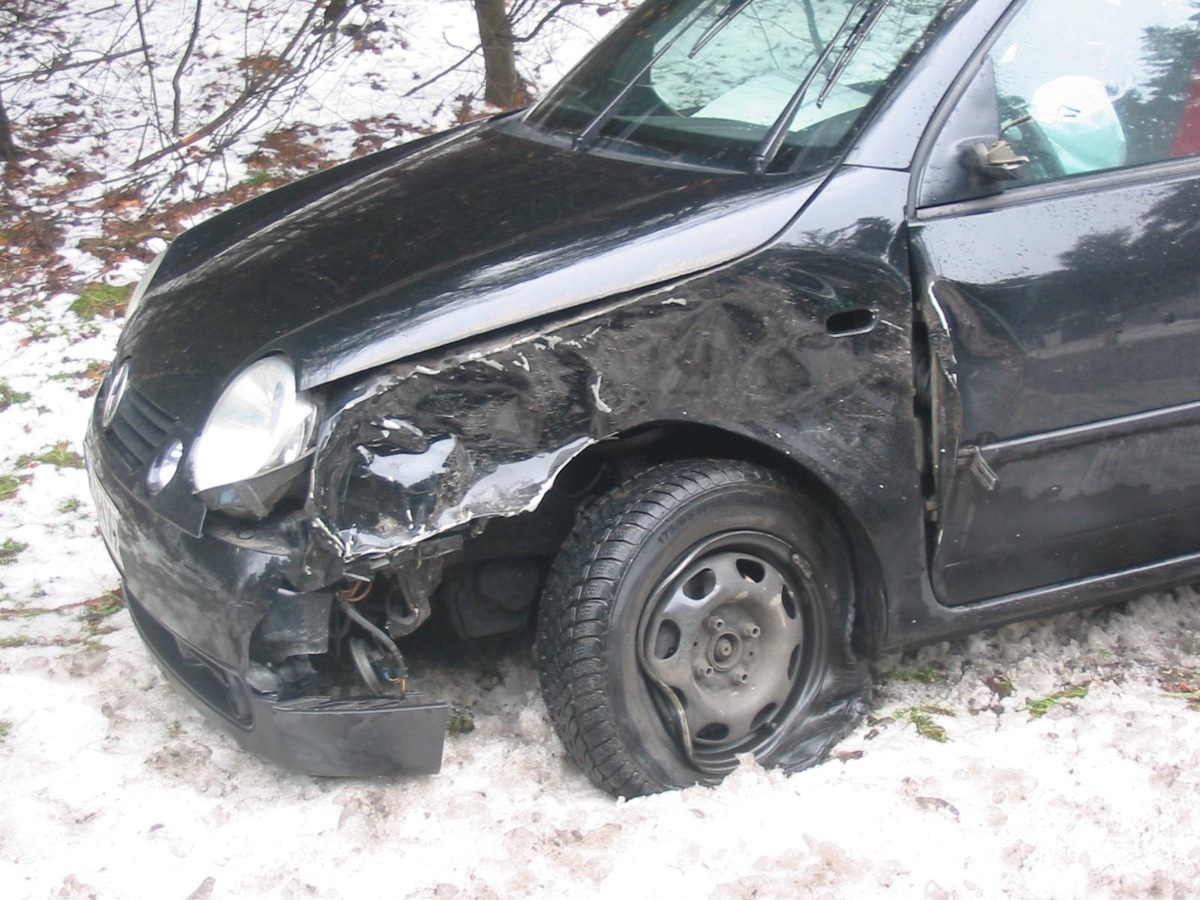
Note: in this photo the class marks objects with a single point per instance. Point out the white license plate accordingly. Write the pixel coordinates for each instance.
(107, 515)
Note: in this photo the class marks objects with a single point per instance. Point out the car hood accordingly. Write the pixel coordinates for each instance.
(425, 245)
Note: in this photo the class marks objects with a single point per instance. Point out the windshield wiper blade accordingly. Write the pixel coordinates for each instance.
(591, 131)
(854, 36)
(727, 15)
(857, 36)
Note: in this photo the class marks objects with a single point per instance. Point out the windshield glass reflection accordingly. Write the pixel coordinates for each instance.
(700, 82)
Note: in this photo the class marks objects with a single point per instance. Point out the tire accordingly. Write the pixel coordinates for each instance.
(700, 612)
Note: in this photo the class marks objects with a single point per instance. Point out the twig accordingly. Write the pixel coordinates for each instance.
(544, 21)
(176, 81)
(141, 24)
(62, 67)
(442, 74)
(258, 91)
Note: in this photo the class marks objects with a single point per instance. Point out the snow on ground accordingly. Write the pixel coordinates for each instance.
(112, 786)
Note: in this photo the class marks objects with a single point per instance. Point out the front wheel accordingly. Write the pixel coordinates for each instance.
(698, 613)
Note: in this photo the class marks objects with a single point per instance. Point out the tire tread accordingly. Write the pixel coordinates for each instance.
(578, 602)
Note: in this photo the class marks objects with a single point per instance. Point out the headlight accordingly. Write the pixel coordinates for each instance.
(260, 423)
(144, 285)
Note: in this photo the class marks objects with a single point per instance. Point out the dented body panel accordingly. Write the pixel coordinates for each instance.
(803, 349)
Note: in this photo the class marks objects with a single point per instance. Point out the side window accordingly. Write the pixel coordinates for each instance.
(1089, 85)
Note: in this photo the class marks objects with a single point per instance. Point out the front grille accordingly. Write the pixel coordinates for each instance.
(138, 429)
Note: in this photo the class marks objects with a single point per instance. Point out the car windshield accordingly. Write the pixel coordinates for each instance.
(731, 83)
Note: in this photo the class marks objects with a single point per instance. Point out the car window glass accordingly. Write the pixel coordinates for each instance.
(752, 67)
(1090, 85)
(702, 82)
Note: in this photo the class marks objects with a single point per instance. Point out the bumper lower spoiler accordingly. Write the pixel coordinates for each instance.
(310, 735)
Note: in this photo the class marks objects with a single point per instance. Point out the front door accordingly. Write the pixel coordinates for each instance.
(1064, 308)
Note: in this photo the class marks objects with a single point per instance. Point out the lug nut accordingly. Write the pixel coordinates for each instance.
(751, 631)
(704, 671)
(715, 623)
(741, 677)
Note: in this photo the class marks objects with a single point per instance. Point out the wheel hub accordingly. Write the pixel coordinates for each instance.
(725, 651)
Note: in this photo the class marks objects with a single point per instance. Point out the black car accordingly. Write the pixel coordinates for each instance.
(780, 333)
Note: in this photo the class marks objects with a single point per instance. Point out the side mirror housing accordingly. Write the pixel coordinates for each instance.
(992, 162)
(955, 170)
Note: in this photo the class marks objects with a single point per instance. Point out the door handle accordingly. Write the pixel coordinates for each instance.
(847, 322)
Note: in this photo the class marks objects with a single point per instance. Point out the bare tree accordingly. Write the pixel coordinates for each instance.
(504, 25)
(503, 84)
(273, 75)
(187, 119)
(9, 151)
(28, 32)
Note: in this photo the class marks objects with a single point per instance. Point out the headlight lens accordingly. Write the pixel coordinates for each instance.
(144, 285)
(260, 423)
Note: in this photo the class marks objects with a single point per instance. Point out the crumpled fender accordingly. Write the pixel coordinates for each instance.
(432, 444)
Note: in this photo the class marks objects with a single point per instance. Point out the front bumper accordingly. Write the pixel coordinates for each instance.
(196, 602)
(310, 735)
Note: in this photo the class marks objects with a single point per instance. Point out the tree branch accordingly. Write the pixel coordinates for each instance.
(446, 71)
(141, 25)
(62, 67)
(176, 86)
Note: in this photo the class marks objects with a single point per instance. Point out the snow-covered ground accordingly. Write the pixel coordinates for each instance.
(1051, 759)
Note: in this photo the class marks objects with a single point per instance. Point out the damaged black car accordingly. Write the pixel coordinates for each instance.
(780, 333)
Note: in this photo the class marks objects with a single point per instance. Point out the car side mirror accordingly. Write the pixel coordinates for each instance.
(993, 162)
(966, 160)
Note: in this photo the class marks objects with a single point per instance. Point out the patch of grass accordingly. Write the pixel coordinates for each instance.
(932, 675)
(94, 373)
(10, 550)
(30, 612)
(100, 608)
(82, 643)
(8, 396)
(921, 718)
(10, 483)
(174, 730)
(260, 178)
(461, 721)
(99, 299)
(38, 331)
(63, 456)
(1038, 707)
(70, 505)
(5, 728)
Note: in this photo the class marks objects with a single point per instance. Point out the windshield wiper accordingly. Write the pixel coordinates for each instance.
(727, 15)
(588, 136)
(854, 37)
(860, 33)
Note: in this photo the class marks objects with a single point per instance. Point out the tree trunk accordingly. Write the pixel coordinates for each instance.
(504, 86)
(8, 147)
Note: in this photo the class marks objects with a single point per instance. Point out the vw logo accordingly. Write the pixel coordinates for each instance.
(116, 393)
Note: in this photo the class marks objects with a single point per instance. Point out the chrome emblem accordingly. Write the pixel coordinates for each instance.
(115, 394)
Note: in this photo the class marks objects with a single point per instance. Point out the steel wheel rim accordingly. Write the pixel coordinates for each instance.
(725, 643)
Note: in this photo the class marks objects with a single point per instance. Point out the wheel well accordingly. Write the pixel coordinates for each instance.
(612, 462)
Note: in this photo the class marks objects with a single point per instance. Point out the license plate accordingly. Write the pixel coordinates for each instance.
(108, 517)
